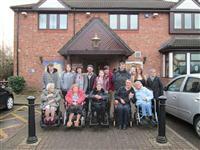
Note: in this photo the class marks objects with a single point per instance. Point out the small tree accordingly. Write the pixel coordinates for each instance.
(6, 63)
(17, 83)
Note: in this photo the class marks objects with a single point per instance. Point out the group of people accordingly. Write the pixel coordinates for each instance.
(120, 88)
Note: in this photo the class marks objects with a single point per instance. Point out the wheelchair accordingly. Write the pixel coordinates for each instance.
(82, 122)
(92, 114)
(138, 114)
(130, 120)
(55, 123)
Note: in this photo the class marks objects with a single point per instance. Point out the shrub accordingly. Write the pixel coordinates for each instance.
(17, 83)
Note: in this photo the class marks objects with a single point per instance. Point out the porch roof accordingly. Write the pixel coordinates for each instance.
(180, 43)
(110, 42)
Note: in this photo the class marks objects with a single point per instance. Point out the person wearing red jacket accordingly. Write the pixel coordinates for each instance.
(109, 86)
(75, 99)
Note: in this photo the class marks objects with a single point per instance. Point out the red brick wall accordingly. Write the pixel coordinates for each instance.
(34, 43)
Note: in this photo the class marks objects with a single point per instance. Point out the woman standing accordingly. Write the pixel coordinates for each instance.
(51, 76)
(100, 80)
(67, 79)
(80, 79)
(139, 76)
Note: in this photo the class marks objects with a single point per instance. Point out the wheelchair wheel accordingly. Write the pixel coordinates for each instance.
(82, 121)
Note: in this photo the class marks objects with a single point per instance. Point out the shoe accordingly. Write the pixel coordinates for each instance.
(124, 127)
(120, 127)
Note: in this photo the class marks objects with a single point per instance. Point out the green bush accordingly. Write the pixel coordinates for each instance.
(17, 83)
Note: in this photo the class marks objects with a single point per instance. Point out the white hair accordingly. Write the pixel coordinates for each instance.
(50, 85)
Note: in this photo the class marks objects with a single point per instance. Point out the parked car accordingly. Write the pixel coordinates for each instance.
(6, 99)
(183, 99)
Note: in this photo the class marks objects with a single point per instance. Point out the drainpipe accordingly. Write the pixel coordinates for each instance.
(17, 44)
(74, 21)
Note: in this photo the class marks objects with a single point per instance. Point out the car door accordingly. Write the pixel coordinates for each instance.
(172, 93)
(189, 99)
(3, 97)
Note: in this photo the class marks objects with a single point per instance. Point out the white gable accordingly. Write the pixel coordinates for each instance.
(188, 4)
(51, 4)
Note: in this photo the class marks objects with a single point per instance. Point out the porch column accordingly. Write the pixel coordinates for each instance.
(163, 71)
(188, 63)
(170, 65)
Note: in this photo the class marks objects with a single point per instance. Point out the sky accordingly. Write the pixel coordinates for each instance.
(7, 20)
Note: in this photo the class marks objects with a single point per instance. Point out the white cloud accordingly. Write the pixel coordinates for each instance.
(7, 20)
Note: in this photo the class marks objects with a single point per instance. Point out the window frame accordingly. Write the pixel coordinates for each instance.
(48, 21)
(184, 30)
(174, 53)
(193, 60)
(128, 21)
(184, 89)
(180, 89)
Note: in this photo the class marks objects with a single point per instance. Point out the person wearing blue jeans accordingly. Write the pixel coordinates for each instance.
(144, 97)
(123, 98)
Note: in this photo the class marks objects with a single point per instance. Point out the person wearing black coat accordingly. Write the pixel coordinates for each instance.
(123, 97)
(120, 76)
(154, 83)
(99, 99)
(90, 80)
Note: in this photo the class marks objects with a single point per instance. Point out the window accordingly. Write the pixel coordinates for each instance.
(177, 21)
(63, 21)
(124, 21)
(188, 21)
(134, 21)
(197, 21)
(113, 21)
(176, 85)
(192, 85)
(185, 23)
(179, 64)
(42, 21)
(167, 65)
(195, 63)
(52, 21)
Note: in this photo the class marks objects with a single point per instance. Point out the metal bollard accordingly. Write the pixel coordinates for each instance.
(161, 138)
(32, 138)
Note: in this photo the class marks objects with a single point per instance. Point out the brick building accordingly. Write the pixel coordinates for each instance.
(152, 33)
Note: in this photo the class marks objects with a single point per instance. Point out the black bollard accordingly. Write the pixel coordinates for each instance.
(32, 138)
(161, 138)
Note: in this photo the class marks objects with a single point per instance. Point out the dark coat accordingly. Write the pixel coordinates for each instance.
(122, 93)
(119, 78)
(101, 93)
(90, 83)
(156, 86)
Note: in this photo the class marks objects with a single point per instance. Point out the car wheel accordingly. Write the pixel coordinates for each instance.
(197, 125)
(10, 103)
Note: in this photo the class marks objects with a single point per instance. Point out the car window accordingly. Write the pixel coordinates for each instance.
(176, 85)
(192, 85)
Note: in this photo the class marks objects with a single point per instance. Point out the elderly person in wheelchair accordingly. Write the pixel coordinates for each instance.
(99, 100)
(74, 100)
(123, 98)
(144, 98)
(50, 100)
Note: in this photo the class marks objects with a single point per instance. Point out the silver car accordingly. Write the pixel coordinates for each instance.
(183, 99)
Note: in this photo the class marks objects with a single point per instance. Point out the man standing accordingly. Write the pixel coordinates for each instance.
(91, 77)
(154, 83)
(90, 80)
(120, 76)
(108, 78)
